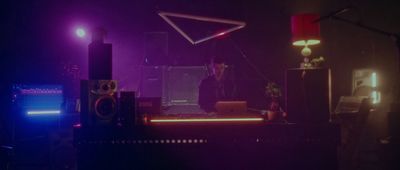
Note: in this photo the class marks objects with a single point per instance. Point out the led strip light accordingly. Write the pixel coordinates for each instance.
(165, 15)
(207, 120)
(44, 112)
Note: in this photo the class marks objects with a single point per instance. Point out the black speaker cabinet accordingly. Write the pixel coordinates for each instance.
(98, 102)
(127, 108)
(100, 61)
(308, 95)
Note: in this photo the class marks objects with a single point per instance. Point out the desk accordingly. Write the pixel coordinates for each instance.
(212, 146)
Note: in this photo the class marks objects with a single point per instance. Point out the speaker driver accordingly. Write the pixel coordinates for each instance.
(105, 107)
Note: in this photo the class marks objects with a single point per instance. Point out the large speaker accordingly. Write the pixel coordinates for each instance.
(100, 61)
(98, 102)
(127, 108)
(308, 95)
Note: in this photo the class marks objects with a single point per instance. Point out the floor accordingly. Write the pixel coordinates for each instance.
(49, 146)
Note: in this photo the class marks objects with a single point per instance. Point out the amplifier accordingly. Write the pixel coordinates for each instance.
(175, 85)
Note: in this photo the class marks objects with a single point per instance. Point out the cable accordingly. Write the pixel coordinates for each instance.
(304, 91)
(252, 65)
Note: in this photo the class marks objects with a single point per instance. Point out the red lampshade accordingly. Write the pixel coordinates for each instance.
(304, 31)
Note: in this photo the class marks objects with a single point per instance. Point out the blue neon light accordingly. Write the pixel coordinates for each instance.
(39, 99)
(44, 112)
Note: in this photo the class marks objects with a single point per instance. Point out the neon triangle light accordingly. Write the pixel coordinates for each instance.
(238, 25)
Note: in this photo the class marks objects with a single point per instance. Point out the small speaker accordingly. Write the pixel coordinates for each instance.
(127, 109)
(308, 95)
(100, 61)
(98, 102)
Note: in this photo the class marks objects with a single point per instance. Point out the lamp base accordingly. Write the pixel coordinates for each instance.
(306, 63)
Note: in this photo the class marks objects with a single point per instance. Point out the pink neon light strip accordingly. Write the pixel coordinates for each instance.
(207, 120)
(165, 15)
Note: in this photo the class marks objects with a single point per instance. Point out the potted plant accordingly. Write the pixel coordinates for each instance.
(275, 113)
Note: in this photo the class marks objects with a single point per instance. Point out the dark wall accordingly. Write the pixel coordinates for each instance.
(39, 39)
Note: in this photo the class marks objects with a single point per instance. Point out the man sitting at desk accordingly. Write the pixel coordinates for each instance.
(216, 87)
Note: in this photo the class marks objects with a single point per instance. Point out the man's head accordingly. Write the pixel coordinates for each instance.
(218, 67)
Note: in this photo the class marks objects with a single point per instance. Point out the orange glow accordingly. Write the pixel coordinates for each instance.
(207, 120)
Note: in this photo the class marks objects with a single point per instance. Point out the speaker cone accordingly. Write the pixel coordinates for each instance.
(105, 107)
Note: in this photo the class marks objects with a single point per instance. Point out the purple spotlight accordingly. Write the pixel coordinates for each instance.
(80, 32)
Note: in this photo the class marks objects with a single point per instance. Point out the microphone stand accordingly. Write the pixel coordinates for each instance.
(274, 100)
(251, 64)
(334, 13)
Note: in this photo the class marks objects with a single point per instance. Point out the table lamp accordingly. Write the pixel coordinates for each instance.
(305, 33)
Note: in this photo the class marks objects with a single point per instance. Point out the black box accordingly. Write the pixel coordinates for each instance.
(308, 95)
(100, 61)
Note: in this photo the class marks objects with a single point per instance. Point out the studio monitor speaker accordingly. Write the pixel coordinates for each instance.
(127, 108)
(98, 102)
(308, 95)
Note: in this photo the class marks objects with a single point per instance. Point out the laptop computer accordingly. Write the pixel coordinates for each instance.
(148, 105)
(231, 107)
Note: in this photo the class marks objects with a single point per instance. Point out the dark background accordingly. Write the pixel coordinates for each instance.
(37, 40)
